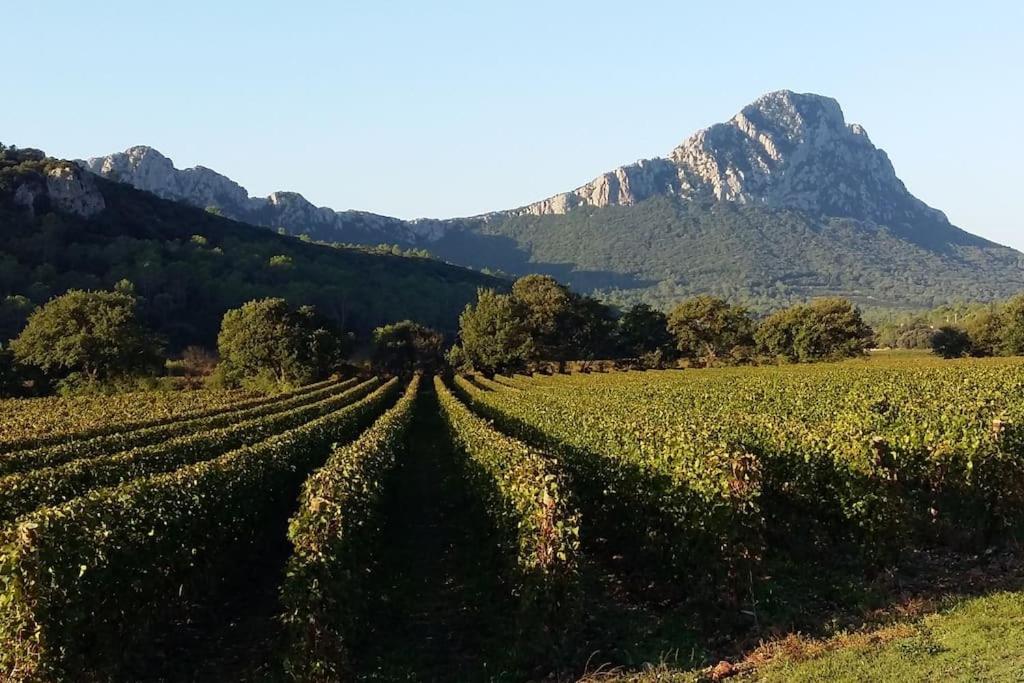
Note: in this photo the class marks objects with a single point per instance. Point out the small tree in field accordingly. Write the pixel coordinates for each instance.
(706, 328)
(825, 329)
(494, 334)
(404, 347)
(951, 342)
(267, 345)
(90, 336)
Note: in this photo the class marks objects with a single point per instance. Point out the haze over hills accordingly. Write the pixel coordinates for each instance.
(783, 202)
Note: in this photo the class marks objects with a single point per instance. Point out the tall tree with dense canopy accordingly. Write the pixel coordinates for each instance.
(707, 328)
(547, 307)
(951, 342)
(825, 329)
(493, 333)
(92, 336)
(644, 330)
(404, 347)
(266, 344)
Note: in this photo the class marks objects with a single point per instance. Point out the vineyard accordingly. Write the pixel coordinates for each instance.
(506, 528)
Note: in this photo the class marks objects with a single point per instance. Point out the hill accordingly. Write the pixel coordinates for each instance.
(783, 202)
(63, 228)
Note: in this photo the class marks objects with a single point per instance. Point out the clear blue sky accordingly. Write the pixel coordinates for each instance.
(453, 108)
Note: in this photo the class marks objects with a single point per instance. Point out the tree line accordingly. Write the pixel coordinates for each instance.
(541, 320)
(96, 341)
(995, 330)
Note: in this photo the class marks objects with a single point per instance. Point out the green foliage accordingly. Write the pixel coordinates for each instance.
(405, 347)
(96, 335)
(190, 266)
(985, 331)
(714, 468)
(332, 533)
(951, 342)
(706, 329)
(1011, 318)
(106, 444)
(197, 441)
(644, 330)
(267, 343)
(528, 494)
(122, 563)
(825, 329)
(494, 333)
(664, 249)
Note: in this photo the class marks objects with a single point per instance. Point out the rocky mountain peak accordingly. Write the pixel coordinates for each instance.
(785, 149)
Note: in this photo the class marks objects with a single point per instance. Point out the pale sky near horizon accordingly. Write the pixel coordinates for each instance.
(445, 109)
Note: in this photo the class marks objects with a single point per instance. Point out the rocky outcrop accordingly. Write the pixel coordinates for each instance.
(783, 150)
(147, 169)
(72, 191)
(63, 187)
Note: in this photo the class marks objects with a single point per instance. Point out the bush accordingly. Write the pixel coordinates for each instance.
(265, 346)
(951, 342)
(87, 338)
(123, 563)
(405, 347)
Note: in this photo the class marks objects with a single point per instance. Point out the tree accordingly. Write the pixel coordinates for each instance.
(832, 329)
(266, 344)
(493, 333)
(825, 329)
(644, 330)
(951, 342)
(95, 336)
(590, 330)
(776, 334)
(985, 330)
(1011, 326)
(547, 308)
(404, 347)
(707, 328)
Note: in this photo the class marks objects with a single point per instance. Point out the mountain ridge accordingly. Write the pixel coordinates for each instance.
(788, 162)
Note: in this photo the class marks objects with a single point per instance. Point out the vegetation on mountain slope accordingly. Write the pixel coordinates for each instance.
(189, 266)
(663, 249)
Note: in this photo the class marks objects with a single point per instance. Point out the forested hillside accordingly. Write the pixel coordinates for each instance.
(61, 229)
(664, 249)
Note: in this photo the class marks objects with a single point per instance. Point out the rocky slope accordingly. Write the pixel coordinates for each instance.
(784, 150)
(147, 169)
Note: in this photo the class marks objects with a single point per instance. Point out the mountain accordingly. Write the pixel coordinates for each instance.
(783, 202)
(62, 228)
(147, 169)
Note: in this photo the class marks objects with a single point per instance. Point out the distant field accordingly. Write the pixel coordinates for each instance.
(848, 521)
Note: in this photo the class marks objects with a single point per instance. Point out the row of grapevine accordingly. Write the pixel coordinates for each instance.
(22, 493)
(699, 516)
(48, 456)
(333, 533)
(527, 494)
(880, 457)
(85, 583)
(38, 422)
